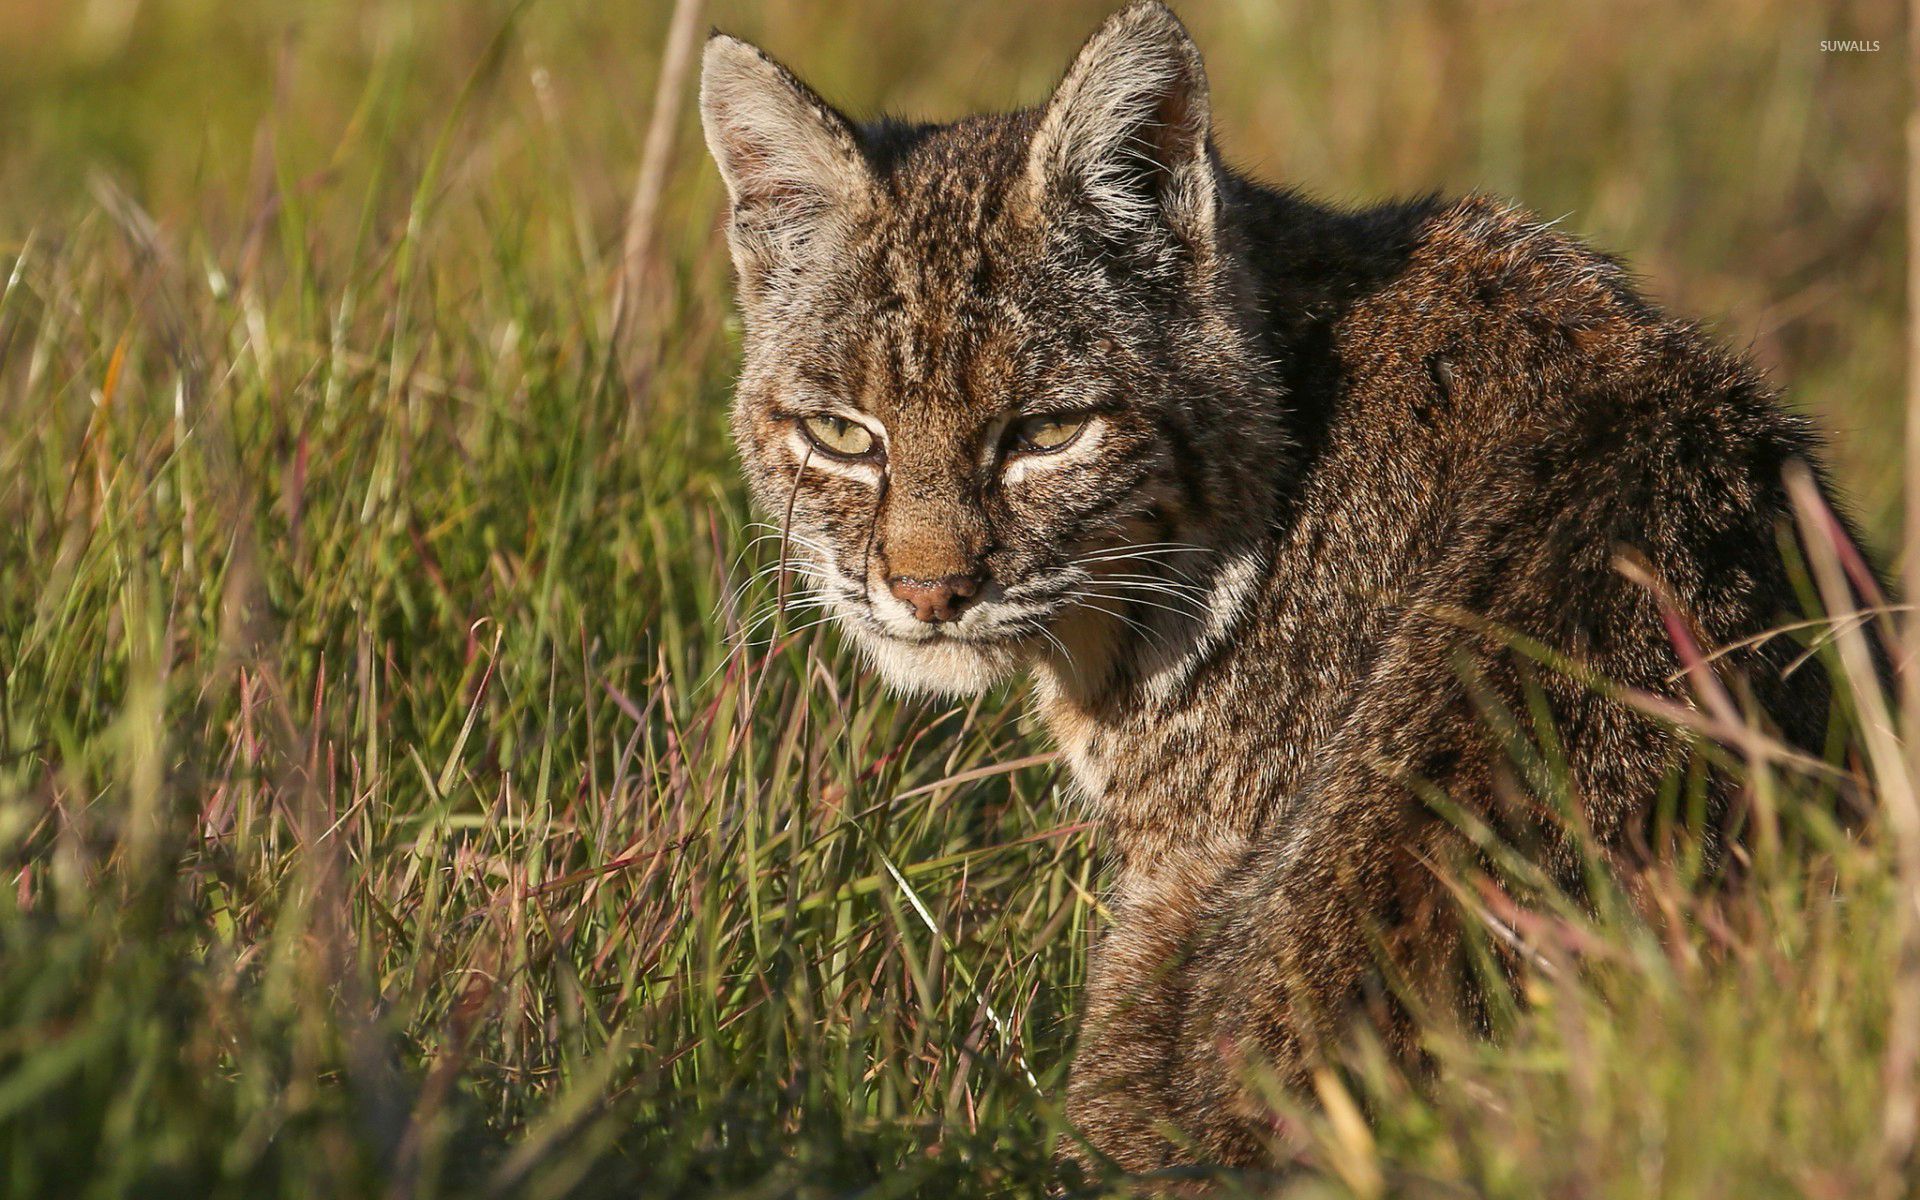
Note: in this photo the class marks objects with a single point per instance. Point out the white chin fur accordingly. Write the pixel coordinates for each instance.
(940, 666)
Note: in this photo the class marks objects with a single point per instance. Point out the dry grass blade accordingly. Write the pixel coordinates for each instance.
(1894, 778)
(639, 265)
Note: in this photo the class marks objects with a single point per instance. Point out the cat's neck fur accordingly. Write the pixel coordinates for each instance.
(1296, 266)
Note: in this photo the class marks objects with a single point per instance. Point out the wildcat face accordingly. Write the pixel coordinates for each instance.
(996, 388)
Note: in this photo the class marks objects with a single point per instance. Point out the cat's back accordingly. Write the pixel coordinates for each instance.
(1508, 381)
(1495, 421)
(1489, 429)
(1496, 316)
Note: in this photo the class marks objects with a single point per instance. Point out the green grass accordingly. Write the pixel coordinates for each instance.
(388, 805)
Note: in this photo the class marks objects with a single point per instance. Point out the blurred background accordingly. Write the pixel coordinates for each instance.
(1752, 179)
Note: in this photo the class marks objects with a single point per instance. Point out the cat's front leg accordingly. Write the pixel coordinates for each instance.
(1128, 1036)
(1326, 927)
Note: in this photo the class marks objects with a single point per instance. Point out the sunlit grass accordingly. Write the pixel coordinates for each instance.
(400, 791)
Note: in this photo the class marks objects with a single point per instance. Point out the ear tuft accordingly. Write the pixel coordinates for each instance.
(792, 164)
(1125, 136)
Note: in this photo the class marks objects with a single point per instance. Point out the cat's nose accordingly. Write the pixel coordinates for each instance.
(935, 600)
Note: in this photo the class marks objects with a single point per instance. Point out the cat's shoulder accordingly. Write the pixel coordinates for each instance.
(1480, 268)
(1539, 320)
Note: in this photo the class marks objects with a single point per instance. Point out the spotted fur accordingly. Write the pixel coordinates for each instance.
(1327, 457)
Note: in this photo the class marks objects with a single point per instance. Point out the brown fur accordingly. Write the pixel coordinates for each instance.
(1316, 442)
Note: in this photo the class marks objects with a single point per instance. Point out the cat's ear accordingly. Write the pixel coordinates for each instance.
(792, 165)
(1124, 140)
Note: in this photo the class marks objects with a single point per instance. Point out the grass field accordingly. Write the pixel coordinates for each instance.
(398, 797)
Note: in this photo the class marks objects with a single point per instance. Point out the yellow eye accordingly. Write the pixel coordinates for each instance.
(1047, 433)
(839, 436)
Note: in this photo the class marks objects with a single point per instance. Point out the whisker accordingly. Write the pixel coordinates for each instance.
(1146, 548)
(806, 542)
(747, 638)
(1154, 582)
(1086, 599)
(1130, 599)
(1059, 645)
(805, 571)
(1196, 604)
(1138, 554)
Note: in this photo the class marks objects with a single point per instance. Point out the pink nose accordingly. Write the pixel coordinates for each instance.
(935, 600)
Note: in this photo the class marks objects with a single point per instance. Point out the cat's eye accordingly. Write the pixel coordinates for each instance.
(1039, 435)
(838, 436)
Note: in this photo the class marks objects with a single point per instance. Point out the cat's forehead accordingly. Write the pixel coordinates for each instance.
(937, 319)
(943, 171)
(933, 361)
(947, 231)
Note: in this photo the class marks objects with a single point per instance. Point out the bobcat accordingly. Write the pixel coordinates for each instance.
(1258, 492)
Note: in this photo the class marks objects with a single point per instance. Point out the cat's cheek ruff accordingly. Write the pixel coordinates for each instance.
(1230, 594)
